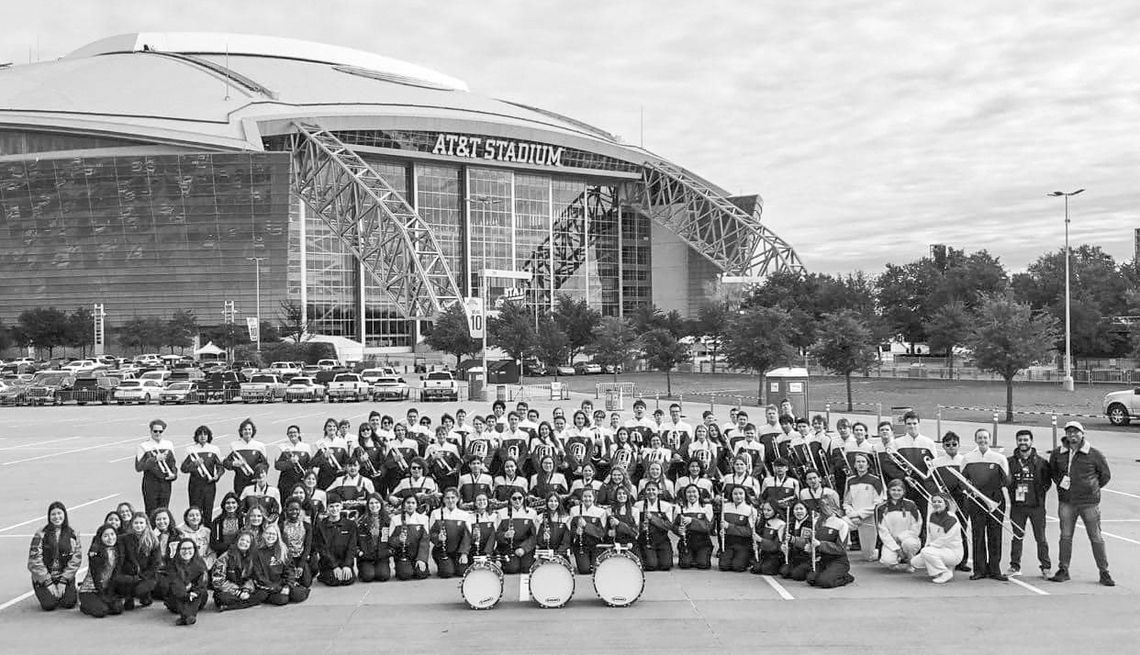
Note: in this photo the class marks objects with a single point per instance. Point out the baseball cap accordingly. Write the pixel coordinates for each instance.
(1075, 425)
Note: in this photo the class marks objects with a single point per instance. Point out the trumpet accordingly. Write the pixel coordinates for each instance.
(242, 463)
(163, 467)
(987, 505)
(329, 455)
(297, 464)
(202, 472)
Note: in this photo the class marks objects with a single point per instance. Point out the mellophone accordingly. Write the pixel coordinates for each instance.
(618, 578)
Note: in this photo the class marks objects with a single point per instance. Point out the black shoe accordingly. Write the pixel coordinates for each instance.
(963, 567)
(181, 621)
(978, 576)
(129, 604)
(999, 577)
(1062, 575)
(1106, 579)
(145, 602)
(191, 620)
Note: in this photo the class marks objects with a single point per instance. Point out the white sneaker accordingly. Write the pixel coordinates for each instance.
(943, 578)
(1013, 571)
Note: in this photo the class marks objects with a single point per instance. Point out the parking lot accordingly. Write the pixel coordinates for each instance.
(84, 455)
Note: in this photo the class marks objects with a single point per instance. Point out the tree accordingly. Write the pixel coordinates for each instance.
(551, 345)
(139, 334)
(6, 339)
(293, 323)
(759, 338)
(513, 330)
(663, 352)
(81, 329)
(1008, 336)
(844, 345)
(712, 319)
(43, 327)
(577, 320)
(613, 343)
(181, 329)
(451, 335)
(948, 329)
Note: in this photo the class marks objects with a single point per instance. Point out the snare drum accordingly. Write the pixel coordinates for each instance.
(482, 584)
(618, 578)
(551, 581)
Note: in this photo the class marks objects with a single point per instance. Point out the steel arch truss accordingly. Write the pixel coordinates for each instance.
(395, 245)
(728, 235)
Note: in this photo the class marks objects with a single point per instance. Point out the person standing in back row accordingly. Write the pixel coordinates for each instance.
(1079, 471)
(154, 458)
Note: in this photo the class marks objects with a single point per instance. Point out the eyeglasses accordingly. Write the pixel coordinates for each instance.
(157, 430)
(516, 497)
(417, 468)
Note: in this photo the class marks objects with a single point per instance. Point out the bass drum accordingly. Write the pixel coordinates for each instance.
(551, 581)
(482, 584)
(618, 578)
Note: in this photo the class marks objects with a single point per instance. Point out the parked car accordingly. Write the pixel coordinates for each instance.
(181, 393)
(82, 366)
(564, 369)
(137, 391)
(47, 386)
(348, 385)
(286, 370)
(91, 389)
(440, 385)
(13, 392)
(262, 387)
(371, 375)
(224, 386)
(587, 368)
(535, 368)
(162, 375)
(390, 388)
(302, 389)
(1122, 406)
(327, 364)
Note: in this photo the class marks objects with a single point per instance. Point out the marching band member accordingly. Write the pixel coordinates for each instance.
(97, 595)
(699, 448)
(618, 480)
(185, 582)
(741, 479)
(917, 450)
(656, 453)
(859, 443)
(829, 543)
(694, 528)
(112, 519)
(450, 535)
(640, 427)
(624, 519)
(369, 454)
(443, 456)
(814, 491)
(752, 451)
(655, 472)
(620, 453)
(657, 523)
(547, 480)
(769, 537)
(314, 498)
(126, 513)
(139, 561)
(408, 541)
(54, 559)
(579, 444)
(245, 454)
(986, 470)
(353, 490)
(589, 522)
(587, 481)
(899, 527)
(864, 493)
(335, 541)
(544, 444)
(194, 529)
(474, 483)
(676, 433)
(293, 461)
(888, 469)
(737, 518)
(553, 532)
(297, 535)
(235, 575)
(226, 526)
(696, 477)
(943, 549)
(797, 544)
(509, 482)
(166, 534)
(154, 458)
(734, 430)
(482, 527)
(513, 443)
(372, 529)
(418, 486)
(1029, 482)
(780, 489)
(255, 523)
(943, 479)
(529, 423)
(330, 454)
(480, 443)
(203, 464)
(515, 536)
(260, 494)
(278, 577)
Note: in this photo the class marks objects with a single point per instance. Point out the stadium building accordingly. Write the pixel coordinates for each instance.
(147, 172)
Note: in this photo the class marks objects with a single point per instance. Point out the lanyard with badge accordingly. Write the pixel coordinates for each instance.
(1065, 482)
(1021, 491)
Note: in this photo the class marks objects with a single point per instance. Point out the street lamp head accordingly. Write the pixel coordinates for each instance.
(1055, 193)
(1076, 192)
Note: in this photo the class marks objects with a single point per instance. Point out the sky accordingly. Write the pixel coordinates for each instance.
(871, 129)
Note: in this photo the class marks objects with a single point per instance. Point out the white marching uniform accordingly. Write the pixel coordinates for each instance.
(943, 550)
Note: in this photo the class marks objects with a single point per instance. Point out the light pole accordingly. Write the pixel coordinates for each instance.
(1068, 381)
(257, 264)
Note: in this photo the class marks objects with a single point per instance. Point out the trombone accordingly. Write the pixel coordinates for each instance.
(911, 470)
(987, 505)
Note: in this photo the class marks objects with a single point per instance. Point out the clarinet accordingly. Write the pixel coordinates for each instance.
(788, 536)
(442, 535)
(581, 532)
(812, 542)
(478, 536)
(511, 528)
(404, 536)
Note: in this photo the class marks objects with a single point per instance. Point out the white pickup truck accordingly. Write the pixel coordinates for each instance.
(440, 385)
(262, 387)
(346, 386)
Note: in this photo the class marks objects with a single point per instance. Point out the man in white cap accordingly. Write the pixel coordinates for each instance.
(1079, 471)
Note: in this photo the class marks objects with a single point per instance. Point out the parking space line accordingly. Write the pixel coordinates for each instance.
(28, 594)
(1054, 519)
(121, 459)
(1121, 493)
(779, 588)
(69, 509)
(16, 536)
(1026, 585)
(37, 443)
(67, 452)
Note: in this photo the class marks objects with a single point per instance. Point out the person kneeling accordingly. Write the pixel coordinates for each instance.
(899, 526)
(336, 545)
(277, 576)
(829, 540)
(409, 542)
(97, 595)
(184, 582)
(797, 546)
(943, 550)
(235, 576)
(54, 559)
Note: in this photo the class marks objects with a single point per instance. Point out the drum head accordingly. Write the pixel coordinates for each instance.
(482, 586)
(618, 578)
(551, 582)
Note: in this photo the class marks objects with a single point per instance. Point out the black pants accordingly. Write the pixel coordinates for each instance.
(834, 571)
(130, 587)
(406, 570)
(769, 563)
(1018, 516)
(201, 495)
(326, 576)
(514, 564)
(446, 564)
(584, 559)
(986, 534)
(657, 557)
(695, 555)
(374, 571)
(796, 568)
(155, 493)
(296, 594)
(228, 601)
(736, 555)
(183, 606)
(99, 605)
(49, 602)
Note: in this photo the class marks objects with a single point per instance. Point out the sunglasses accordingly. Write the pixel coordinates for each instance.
(158, 431)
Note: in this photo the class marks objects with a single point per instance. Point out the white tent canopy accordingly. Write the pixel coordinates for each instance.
(210, 350)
